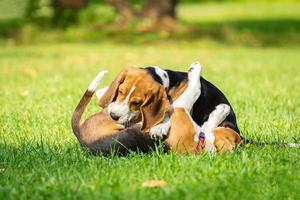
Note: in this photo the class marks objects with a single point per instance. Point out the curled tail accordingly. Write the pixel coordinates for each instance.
(85, 99)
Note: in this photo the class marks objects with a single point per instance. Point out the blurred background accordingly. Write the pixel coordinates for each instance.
(254, 23)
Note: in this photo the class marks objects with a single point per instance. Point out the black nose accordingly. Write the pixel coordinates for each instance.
(114, 116)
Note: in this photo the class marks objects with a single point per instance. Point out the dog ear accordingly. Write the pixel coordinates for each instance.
(154, 108)
(111, 93)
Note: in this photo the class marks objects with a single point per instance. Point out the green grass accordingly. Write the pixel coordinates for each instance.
(41, 83)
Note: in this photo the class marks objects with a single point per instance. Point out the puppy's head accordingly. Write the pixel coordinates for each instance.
(135, 96)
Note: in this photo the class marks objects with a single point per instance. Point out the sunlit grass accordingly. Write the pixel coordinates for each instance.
(238, 11)
(40, 85)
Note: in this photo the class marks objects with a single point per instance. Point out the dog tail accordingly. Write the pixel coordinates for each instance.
(85, 99)
(278, 144)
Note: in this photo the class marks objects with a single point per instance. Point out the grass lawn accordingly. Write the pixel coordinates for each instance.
(41, 83)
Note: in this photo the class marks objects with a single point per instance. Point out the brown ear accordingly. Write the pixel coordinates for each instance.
(154, 109)
(111, 92)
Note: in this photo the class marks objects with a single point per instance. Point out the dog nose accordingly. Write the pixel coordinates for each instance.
(114, 116)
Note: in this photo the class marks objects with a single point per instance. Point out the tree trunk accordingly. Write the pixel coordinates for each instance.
(159, 10)
(66, 11)
(70, 4)
(122, 7)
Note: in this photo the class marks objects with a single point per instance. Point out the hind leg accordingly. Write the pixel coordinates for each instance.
(220, 139)
(193, 91)
(186, 100)
(183, 127)
(215, 118)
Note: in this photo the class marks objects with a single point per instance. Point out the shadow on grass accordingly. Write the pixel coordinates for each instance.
(41, 152)
(250, 32)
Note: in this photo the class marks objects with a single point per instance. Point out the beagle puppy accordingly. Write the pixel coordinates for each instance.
(175, 83)
(144, 95)
(185, 135)
(135, 97)
(101, 134)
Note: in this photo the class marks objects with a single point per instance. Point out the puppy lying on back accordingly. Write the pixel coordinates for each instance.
(185, 135)
(100, 133)
(144, 94)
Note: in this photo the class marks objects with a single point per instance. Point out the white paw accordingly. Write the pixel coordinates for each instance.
(216, 117)
(159, 130)
(221, 112)
(194, 73)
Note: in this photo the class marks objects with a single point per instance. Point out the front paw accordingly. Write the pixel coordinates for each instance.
(159, 130)
(194, 73)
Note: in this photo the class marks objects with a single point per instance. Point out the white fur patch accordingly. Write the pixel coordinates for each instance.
(122, 109)
(161, 129)
(163, 75)
(187, 99)
(216, 117)
(95, 83)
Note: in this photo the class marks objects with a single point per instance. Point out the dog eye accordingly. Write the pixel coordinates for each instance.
(121, 92)
(135, 105)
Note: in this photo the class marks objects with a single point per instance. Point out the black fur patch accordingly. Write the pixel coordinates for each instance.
(154, 75)
(124, 142)
(210, 97)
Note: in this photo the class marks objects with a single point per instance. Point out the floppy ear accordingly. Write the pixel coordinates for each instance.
(111, 92)
(154, 109)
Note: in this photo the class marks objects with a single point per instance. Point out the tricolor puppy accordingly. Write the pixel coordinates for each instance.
(144, 95)
(185, 135)
(135, 97)
(101, 134)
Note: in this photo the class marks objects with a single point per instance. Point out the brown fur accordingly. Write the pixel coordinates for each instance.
(226, 139)
(175, 92)
(182, 132)
(149, 97)
(96, 126)
(100, 134)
